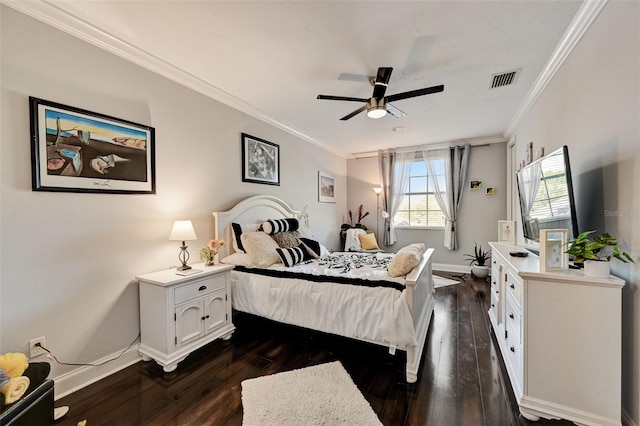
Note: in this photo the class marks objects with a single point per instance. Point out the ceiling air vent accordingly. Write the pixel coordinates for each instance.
(504, 78)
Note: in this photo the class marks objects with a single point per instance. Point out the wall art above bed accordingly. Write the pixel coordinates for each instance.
(260, 161)
(75, 150)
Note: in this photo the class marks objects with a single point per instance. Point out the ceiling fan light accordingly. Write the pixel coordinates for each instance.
(376, 112)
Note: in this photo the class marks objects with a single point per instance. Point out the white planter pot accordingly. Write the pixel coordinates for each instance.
(596, 268)
(480, 271)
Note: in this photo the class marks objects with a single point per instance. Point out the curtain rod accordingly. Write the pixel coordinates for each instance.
(369, 154)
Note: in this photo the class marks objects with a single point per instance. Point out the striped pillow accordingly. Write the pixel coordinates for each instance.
(280, 225)
(238, 229)
(291, 256)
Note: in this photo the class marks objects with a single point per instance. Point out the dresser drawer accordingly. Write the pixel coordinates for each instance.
(514, 286)
(513, 319)
(199, 288)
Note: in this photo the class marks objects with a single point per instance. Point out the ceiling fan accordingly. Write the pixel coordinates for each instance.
(378, 105)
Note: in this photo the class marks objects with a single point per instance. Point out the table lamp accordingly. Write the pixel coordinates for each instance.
(183, 231)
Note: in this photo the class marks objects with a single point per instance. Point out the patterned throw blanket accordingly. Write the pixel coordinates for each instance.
(362, 269)
(345, 262)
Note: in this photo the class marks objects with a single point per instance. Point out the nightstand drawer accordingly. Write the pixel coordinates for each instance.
(199, 288)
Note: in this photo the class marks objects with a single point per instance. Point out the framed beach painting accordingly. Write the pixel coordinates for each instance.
(75, 150)
(260, 161)
(326, 188)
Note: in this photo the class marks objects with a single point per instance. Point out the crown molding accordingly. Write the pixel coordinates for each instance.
(585, 16)
(51, 14)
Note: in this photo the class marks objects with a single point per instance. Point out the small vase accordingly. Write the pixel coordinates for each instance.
(209, 263)
(597, 268)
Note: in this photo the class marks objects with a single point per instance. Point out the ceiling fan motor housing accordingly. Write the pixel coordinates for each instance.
(377, 108)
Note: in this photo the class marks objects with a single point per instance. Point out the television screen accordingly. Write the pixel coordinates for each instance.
(546, 198)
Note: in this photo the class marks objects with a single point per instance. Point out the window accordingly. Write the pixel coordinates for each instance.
(419, 207)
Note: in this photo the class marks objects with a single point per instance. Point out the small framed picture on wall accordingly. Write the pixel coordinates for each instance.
(326, 188)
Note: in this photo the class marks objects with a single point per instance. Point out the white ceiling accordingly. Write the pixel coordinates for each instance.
(272, 59)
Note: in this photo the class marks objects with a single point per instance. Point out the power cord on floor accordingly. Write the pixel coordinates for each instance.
(51, 355)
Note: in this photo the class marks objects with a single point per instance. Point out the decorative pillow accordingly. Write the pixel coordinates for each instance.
(239, 259)
(406, 259)
(313, 248)
(286, 239)
(261, 248)
(238, 230)
(293, 255)
(280, 225)
(368, 242)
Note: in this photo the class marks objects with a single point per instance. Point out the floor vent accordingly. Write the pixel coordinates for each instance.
(504, 78)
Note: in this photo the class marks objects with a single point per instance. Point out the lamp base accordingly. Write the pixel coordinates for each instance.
(183, 268)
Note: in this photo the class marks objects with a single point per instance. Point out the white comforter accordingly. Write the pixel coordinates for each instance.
(375, 314)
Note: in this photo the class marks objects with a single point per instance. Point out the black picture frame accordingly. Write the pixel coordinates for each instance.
(75, 150)
(260, 161)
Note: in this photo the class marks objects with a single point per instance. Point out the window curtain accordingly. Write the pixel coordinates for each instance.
(394, 176)
(448, 192)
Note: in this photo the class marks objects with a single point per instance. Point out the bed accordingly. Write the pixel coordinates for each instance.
(394, 316)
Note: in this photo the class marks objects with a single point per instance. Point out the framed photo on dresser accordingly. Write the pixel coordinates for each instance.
(506, 231)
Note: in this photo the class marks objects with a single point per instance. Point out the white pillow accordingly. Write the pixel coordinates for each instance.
(239, 259)
(261, 248)
(406, 259)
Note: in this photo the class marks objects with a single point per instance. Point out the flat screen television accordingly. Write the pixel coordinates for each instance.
(545, 190)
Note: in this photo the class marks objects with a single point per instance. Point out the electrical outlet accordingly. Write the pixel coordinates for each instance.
(34, 350)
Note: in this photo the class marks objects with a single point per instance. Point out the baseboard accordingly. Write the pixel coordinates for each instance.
(627, 420)
(79, 378)
(451, 268)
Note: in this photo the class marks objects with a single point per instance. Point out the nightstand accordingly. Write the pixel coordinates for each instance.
(179, 314)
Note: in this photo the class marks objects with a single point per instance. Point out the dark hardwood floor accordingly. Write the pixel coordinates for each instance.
(462, 379)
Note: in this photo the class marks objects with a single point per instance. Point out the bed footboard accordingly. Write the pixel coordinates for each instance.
(421, 299)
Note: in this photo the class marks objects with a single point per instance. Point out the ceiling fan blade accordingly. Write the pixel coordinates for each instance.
(354, 113)
(341, 98)
(382, 80)
(395, 111)
(414, 93)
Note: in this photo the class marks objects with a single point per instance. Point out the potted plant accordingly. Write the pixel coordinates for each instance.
(478, 261)
(596, 253)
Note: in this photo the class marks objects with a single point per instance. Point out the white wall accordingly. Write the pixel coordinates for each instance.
(593, 106)
(68, 260)
(478, 216)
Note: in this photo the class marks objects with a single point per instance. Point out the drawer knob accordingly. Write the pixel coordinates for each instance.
(512, 286)
(512, 349)
(494, 262)
(203, 318)
(493, 305)
(202, 288)
(511, 316)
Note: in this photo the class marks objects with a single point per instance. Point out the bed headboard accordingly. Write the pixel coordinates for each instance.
(254, 209)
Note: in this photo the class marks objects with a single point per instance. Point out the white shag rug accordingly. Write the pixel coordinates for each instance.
(442, 282)
(320, 395)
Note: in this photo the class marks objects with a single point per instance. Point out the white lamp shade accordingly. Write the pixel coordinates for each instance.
(377, 190)
(182, 231)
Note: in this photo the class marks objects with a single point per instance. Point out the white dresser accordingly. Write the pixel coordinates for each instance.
(560, 338)
(179, 314)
